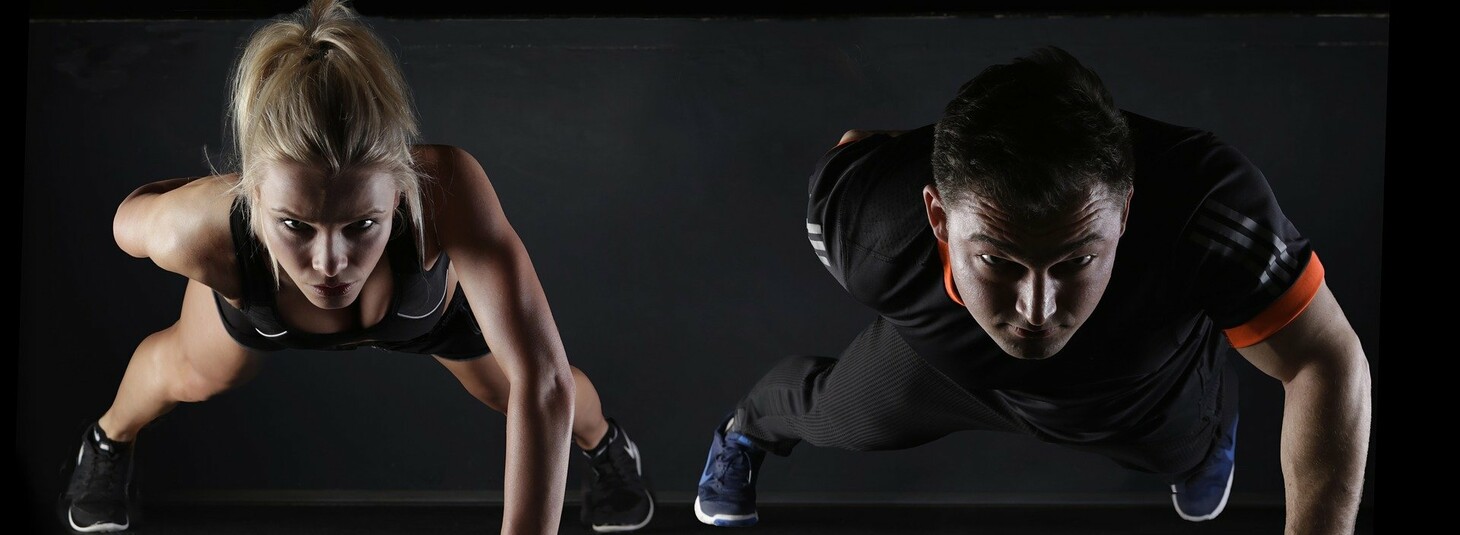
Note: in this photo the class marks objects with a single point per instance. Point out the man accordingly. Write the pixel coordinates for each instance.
(1073, 272)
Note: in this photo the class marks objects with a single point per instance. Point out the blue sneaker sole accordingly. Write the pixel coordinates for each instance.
(1208, 516)
(726, 521)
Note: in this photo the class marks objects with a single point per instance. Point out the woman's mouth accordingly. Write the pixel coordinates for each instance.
(332, 290)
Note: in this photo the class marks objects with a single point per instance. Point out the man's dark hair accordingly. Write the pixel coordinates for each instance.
(1031, 136)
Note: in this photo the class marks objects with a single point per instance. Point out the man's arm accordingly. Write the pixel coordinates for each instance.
(1326, 412)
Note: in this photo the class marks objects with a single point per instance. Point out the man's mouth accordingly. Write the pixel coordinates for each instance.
(1033, 333)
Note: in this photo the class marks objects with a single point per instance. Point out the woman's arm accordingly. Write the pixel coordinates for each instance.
(182, 225)
(508, 300)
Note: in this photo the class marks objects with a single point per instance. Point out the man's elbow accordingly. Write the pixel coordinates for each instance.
(1359, 379)
(1352, 369)
(1346, 375)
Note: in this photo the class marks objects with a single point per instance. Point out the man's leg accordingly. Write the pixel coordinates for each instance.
(879, 395)
(1201, 493)
(1195, 451)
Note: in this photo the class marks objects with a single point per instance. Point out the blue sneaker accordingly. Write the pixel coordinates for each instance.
(727, 487)
(1203, 494)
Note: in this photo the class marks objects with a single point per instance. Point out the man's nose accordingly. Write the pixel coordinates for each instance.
(1036, 299)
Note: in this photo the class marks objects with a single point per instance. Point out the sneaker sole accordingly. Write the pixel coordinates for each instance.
(63, 504)
(639, 468)
(619, 529)
(729, 521)
(1220, 505)
(105, 527)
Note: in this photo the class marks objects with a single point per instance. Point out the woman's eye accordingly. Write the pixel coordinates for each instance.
(365, 224)
(292, 224)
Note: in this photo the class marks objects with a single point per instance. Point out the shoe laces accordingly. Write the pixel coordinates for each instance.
(731, 469)
(607, 472)
(99, 475)
(614, 481)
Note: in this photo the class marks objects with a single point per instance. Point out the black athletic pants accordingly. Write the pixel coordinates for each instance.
(881, 395)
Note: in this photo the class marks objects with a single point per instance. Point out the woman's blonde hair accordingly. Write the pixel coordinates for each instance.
(318, 88)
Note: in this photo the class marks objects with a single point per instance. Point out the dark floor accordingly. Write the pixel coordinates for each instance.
(678, 518)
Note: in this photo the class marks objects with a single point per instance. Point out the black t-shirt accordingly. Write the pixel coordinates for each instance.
(1206, 249)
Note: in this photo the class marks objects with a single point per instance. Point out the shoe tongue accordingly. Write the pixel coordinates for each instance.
(740, 439)
(106, 445)
(603, 445)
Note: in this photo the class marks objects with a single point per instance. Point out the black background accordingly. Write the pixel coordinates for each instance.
(239, 9)
(655, 169)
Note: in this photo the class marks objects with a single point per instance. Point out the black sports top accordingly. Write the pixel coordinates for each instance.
(415, 306)
(1206, 249)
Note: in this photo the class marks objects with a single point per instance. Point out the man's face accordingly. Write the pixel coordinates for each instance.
(1030, 282)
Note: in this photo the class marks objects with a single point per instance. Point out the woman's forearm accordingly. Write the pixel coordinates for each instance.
(539, 432)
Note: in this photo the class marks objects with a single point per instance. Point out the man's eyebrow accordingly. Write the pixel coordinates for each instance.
(1087, 240)
(1064, 250)
(1000, 244)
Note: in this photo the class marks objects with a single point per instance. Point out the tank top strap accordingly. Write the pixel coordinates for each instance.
(419, 293)
(402, 247)
(255, 277)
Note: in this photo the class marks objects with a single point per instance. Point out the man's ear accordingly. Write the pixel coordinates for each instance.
(1125, 213)
(937, 215)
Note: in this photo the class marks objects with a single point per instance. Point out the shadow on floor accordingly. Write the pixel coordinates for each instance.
(678, 518)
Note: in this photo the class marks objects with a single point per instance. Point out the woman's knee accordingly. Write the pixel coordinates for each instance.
(495, 398)
(195, 380)
(193, 387)
(482, 378)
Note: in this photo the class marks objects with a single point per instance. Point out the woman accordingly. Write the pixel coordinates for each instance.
(336, 232)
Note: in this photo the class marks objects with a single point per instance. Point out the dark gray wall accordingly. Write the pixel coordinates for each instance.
(656, 171)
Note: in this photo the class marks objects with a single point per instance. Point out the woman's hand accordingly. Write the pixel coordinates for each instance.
(508, 301)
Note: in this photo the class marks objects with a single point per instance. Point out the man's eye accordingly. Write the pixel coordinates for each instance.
(1081, 261)
(992, 260)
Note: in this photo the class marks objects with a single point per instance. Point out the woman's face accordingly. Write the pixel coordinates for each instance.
(326, 232)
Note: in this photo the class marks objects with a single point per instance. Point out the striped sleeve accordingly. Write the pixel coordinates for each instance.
(828, 180)
(818, 242)
(1254, 272)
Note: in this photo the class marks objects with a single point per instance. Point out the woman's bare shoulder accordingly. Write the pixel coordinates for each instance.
(444, 165)
(195, 230)
(451, 174)
(461, 205)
